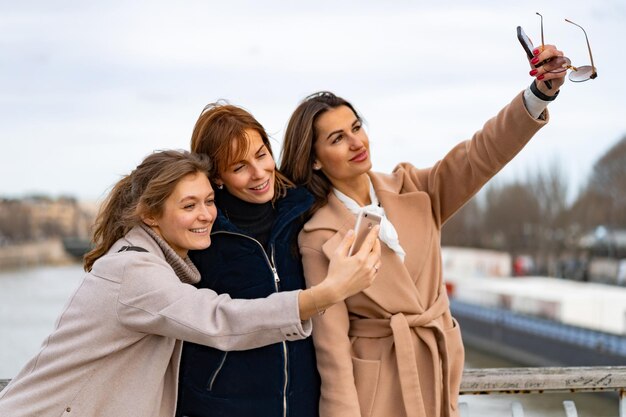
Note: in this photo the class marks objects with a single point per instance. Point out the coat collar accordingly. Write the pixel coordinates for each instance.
(336, 217)
(293, 205)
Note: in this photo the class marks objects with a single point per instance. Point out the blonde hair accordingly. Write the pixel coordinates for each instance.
(142, 192)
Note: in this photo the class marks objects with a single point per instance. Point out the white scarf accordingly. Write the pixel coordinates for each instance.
(387, 233)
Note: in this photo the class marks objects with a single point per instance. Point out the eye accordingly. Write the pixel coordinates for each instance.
(209, 202)
(337, 139)
(356, 127)
(261, 155)
(238, 168)
(189, 206)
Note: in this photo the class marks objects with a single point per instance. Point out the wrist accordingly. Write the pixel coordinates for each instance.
(545, 96)
(325, 295)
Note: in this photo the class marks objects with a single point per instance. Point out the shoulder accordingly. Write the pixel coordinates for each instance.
(296, 198)
(403, 174)
(116, 265)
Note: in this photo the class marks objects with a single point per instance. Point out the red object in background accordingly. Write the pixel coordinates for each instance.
(450, 289)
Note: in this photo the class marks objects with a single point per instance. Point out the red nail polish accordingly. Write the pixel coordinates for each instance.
(534, 61)
(536, 51)
(540, 77)
(534, 72)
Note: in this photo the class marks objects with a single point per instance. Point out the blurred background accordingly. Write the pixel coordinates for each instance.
(88, 89)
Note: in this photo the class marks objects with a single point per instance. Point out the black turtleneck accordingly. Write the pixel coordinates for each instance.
(255, 219)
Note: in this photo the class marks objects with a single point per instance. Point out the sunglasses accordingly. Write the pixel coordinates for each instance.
(560, 64)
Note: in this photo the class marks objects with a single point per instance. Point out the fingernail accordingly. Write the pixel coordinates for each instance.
(350, 232)
(536, 51)
(534, 60)
(540, 77)
(534, 72)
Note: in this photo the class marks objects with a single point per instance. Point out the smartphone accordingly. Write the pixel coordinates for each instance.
(528, 47)
(365, 221)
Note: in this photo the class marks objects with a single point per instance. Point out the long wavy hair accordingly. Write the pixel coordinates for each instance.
(141, 193)
(220, 133)
(298, 154)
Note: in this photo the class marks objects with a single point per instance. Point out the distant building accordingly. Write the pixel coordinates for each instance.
(40, 217)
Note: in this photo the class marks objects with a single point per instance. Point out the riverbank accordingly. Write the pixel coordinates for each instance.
(44, 252)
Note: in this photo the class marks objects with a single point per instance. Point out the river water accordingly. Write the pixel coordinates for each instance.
(31, 299)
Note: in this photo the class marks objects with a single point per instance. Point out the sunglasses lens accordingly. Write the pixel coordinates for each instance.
(558, 64)
(582, 74)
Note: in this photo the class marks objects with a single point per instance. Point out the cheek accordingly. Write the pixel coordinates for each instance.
(234, 181)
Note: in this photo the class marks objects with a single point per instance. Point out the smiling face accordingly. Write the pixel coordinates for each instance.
(252, 178)
(188, 214)
(341, 146)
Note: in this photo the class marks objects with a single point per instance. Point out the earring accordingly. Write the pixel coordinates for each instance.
(154, 224)
(220, 186)
(316, 166)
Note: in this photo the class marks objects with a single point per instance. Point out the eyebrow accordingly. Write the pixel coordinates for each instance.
(192, 197)
(341, 130)
(243, 160)
(260, 148)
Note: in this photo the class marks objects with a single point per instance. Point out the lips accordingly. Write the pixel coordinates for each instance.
(261, 187)
(360, 157)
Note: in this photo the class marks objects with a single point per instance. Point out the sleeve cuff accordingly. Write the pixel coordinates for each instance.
(299, 329)
(535, 101)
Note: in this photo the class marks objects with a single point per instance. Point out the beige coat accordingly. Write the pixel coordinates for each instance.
(394, 349)
(116, 347)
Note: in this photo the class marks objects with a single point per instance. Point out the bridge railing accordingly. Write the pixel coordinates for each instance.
(543, 380)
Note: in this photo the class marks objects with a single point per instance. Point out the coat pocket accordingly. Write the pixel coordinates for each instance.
(366, 375)
(456, 357)
(216, 372)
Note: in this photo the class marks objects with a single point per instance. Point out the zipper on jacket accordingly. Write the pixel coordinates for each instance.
(272, 265)
(285, 352)
(286, 379)
(217, 371)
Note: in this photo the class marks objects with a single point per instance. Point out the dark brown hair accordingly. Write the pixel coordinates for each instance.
(221, 125)
(141, 193)
(298, 154)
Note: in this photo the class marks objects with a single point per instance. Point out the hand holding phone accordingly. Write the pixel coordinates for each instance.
(365, 221)
(528, 47)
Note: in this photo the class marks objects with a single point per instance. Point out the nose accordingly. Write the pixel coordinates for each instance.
(257, 170)
(207, 213)
(355, 142)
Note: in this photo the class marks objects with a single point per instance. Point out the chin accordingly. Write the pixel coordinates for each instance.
(200, 244)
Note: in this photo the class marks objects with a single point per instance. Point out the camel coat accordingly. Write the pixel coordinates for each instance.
(117, 345)
(394, 349)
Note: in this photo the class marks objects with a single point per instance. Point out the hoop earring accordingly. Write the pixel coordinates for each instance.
(220, 186)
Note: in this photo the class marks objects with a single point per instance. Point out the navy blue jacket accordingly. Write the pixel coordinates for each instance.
(273, 381)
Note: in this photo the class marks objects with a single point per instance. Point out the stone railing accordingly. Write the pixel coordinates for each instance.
(544, 381)
(536, 381)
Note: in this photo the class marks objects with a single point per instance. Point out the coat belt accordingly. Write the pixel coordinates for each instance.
(400, 326)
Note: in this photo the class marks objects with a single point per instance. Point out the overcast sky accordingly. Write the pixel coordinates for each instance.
(87, 89)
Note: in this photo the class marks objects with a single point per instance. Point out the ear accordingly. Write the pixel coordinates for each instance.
(149, 220)
(219, 183)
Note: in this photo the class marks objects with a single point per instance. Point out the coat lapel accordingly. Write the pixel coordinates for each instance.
(335, 217)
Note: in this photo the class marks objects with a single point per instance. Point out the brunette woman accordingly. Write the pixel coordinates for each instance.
(394, 349)
(254, 254)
